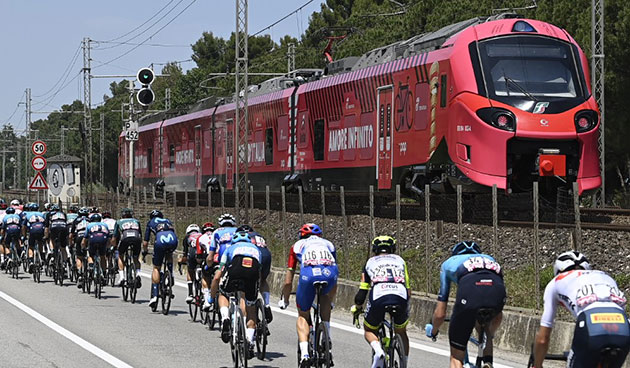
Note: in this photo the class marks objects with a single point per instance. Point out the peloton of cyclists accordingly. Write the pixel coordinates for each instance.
(164, 246)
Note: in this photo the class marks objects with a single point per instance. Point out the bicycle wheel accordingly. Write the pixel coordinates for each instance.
(24, 258)
(213, 316)
(36, 267)
(15, 271)
(59, 267)
(200, 301)
(322, 344)
(194, 305)
(98, 282)
(396, 353)
(167, 290)
(261, 330)
(125, 286)
(133, 284)
(241, 340)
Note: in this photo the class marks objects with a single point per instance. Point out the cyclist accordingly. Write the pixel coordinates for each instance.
(96, 238)
(193, 232)
(111, 224)
(597, 304)
(221, 238)
(479, 287)
(207, 272)
(127, 233)
(57, 229)
(318, 260)
(17, 206)
(386, 281)
(73, 213)
(34, 225)
(11, 232)
(165, 245)
(240, 263)
(77, 231)
(265, 263)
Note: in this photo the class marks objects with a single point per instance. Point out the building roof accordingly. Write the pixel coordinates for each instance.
(64, 159)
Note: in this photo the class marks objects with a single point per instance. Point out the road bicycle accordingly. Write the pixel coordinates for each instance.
(238, 342)
(391, 342)
(95, 276)
(58, 268)
(262, 330)
(73, 272)
(37, 265)
(319, 345)
(15, 261)
(608, 354)
(165, 289)
(130, 286)
(196, 305)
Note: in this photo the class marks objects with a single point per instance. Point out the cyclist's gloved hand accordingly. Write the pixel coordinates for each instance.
(144, 254)
(282, 304)
(356, 311)
(428, 329)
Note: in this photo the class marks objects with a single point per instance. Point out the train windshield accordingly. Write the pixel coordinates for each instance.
(531, 68)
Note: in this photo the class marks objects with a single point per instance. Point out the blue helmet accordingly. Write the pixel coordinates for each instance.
(241, 236)
(466, 247)
(95, 217)
(309, 229)
(10, 211)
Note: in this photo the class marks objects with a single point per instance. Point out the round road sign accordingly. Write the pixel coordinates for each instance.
(38, 148)
(38, 163)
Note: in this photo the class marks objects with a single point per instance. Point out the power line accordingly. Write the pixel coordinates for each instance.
(52, 97)
(16, 108)
(65, 72)
(281, 19)
(148, 28)
(140, 26)
(136, 44)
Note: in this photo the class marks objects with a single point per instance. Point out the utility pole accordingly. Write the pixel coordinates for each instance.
(167, 99)
(87, 117)
(597, 65)
(242, 159)
(63, 128)
(291, 59)
(102, 155)
(27, 136)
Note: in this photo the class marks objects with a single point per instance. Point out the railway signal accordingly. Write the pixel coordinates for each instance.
(145, 95)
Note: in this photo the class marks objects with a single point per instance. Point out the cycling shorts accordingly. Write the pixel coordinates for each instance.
(165, 242)
(375, 310)
(97, 247)
(13, 236)
(242, 275)
(474, 291)
(265, 263)
(305, 294)
(36, 230)
(59, 235)
(596, 329)
(193, 259)
(35, 238)
(134, 243)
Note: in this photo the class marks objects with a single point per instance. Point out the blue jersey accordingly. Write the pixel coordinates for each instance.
(244, 249)
(221, 237)
(96, 232)
(155, 225)
(71, 217)
(12, 223)
(34, 220)
(457, 266)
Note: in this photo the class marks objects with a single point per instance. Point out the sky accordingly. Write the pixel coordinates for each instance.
(40, 38)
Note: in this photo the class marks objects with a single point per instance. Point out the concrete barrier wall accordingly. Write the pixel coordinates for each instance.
(516, 333)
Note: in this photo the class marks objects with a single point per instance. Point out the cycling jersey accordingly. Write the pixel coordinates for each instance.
(56, 219)
(243, 249)
(580, 290)
(12, 224)
(78, 227)
(96, 232)
(454, 268)
(165, 238)
(127, 228)
(204, 241)
(35, 223)
(312, 251)
(221, 237)
(71, 217)
(386, 274)
(155, 225)
(242, 261)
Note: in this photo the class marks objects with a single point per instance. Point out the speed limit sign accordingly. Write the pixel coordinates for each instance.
(38, 148)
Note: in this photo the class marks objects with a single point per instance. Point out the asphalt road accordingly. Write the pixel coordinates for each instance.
(45, 325)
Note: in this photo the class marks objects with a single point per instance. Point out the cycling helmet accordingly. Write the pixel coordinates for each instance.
(55, 207)
(156, 213)
(208, 226)
(10, 211)
(466, 247)
(15, 202)
(4, 205)
(73, 209)
(94, 209)
(191, 228)
(32, 206)
(384, 244)
(95, 217)
(83, 211)
(226, 220)
(47, 206)
(241, 236)
(107, 214)
(126, 213)
(570, 261)
(309, 229)
(245, 228)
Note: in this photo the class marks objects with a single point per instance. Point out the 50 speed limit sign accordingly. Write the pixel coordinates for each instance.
(38, 148)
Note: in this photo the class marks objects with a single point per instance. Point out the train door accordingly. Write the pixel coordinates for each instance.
(229, 154)
(385, 141)
(198, 147)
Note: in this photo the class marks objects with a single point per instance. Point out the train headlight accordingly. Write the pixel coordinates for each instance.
(585, 120)
(499, 118)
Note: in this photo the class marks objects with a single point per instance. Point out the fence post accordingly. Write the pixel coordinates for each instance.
(537, 269)
(222, 199)
(164, 196)
(117, 196)
(427, 240)
(251, 199)
(345, 230)
(196, 198)
(138, 197)
(398, 225)
(237, 205)
(145, 197)
(174, 199)
(459, 212)
(186, 198)
(301, 204)
(372, 228)
(578, 221)
(153, 191)
(495, 221)
(267, 207)
(209, 202)
(284, 221)
(322, 190)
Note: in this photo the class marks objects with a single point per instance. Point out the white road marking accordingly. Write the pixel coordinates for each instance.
(415, 345)
(67, 334)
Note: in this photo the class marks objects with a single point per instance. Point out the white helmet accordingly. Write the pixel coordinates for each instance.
(226, 220)
(15, 202)
(191, 228)
(569, 261)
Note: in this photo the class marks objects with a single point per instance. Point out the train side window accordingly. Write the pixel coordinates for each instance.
(171, 157)
(269, 146)
(443, 90)
(318, 136)
(150, 159)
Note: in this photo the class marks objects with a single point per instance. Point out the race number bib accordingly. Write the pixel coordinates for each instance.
(388, 274)
(317, 256)
(592, 293)
(473, 264)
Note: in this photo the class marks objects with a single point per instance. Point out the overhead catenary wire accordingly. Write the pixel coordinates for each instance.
(17, 105)
(64, 74)
(140, 26)
(136, 44)
(281, 19)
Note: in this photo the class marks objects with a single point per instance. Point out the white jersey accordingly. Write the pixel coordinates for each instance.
(205, 239)
(579, 290)
(387, 275)
(111, 223)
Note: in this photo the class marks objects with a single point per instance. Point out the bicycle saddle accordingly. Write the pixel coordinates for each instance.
(391, 308)
(321, 284)
(485, 315)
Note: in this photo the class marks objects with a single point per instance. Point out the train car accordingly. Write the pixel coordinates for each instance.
(503, 101)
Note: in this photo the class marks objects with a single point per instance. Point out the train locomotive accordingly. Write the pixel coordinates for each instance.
(501, 100)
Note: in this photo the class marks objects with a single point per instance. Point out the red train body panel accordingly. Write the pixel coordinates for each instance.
(503, 102)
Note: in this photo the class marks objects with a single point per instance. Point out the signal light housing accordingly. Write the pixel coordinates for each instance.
(145, 95)
(586, 120)
(499, 118)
